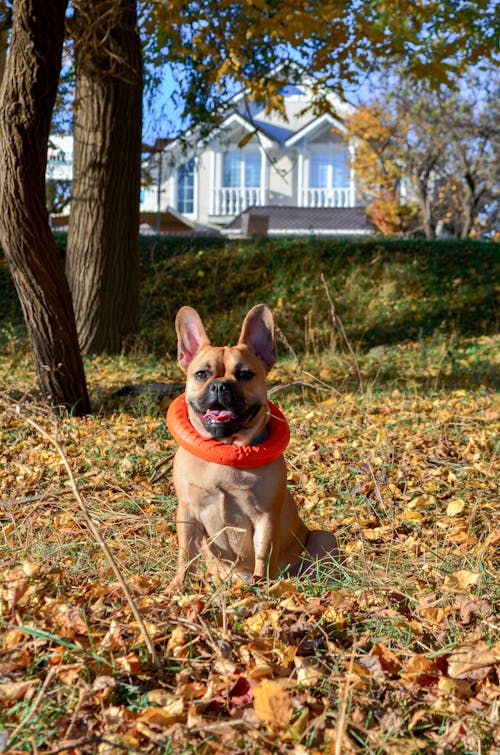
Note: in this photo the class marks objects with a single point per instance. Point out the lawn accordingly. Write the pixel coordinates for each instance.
(387, 374)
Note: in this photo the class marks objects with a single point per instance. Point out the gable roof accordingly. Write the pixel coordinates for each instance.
(248, 125)
(302, 221)
(316, 124)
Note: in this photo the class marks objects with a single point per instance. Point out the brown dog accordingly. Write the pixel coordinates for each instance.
(243, 519)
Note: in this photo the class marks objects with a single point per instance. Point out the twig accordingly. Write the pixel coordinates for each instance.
(97, 535)
(342, 719)
(50, 494)
(161, 469)
(338, 322)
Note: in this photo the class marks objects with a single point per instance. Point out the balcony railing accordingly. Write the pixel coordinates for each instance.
(344, 197)
(232, 201)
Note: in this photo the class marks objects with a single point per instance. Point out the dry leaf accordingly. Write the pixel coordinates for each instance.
(455, 507)
(461, 580)
(272, 704)
(162, 717)
(472, 662)
(10, 691)
(388, 660)
(308, 673)
(177, 645)
(129, 663)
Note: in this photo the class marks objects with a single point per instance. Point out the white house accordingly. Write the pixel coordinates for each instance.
(60, 159)
(255, 159)
(276, 173)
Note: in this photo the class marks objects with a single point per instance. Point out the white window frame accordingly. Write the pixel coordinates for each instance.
(175, 188)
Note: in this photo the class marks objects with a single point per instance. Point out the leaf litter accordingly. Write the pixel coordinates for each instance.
(396, 650)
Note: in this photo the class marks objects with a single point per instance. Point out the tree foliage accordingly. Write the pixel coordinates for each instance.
(216, 45)
(437, 150)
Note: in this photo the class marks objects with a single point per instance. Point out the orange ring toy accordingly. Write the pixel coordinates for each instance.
(243, 457)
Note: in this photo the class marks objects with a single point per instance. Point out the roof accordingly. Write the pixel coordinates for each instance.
(307, 220)
(173, 222)
(314, 125)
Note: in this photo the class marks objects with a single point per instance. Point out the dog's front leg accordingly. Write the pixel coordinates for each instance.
(189, 537)
(265, 550)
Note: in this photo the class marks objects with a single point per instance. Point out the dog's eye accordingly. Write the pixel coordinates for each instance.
(202, 375)
(243, 375)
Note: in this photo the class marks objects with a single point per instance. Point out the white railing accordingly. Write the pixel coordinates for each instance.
(231, 201)
(327, 197)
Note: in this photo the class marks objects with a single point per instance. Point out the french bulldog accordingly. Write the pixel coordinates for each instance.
(243, 520)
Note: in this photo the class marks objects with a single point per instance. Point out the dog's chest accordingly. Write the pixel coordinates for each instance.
(227, 502)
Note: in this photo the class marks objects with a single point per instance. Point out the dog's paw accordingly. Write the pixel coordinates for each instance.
(176, 583)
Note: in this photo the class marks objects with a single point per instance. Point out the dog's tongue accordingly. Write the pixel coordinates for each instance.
(218, 415)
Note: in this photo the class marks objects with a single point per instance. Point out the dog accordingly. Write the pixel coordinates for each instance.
(242, 519)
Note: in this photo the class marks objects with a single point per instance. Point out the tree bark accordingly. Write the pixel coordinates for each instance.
(26, 102)
(102, 262)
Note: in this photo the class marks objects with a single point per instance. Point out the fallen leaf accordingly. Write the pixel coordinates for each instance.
(242, 691)
(272, 704)
(10, 691)
(163, 716)
(455, 507)
(388, 660)
(472, 662)
(177, 645)
(461, 580)
(308, 673)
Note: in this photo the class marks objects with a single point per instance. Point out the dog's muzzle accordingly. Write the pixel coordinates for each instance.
(223, 409)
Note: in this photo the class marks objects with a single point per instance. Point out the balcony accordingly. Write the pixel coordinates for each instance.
(232, 201)
(345, 197)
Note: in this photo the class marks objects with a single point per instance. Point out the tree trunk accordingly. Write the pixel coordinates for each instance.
(26, 102)
(102, 262)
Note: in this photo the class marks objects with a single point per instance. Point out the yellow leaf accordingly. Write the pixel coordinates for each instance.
(272, 704)
(163, 716)
(282, 587)
(455, 507)
(256, 623)
(461, 580)
(176, 644)
(411, 516)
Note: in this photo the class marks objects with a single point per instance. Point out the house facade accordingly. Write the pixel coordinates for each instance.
(255, 159)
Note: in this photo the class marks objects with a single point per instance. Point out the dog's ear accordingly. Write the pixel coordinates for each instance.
(257, 332)
(191, 335)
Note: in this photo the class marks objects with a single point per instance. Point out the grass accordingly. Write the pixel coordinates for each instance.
(405, 469)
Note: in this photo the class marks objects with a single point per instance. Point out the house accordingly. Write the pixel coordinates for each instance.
(255, 173)
(292, 168)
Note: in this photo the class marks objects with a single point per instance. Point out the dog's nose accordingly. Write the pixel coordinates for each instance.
(219, 389)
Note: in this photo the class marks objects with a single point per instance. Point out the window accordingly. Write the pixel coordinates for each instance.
(185, 187)
(241, 169)
(329, 170)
